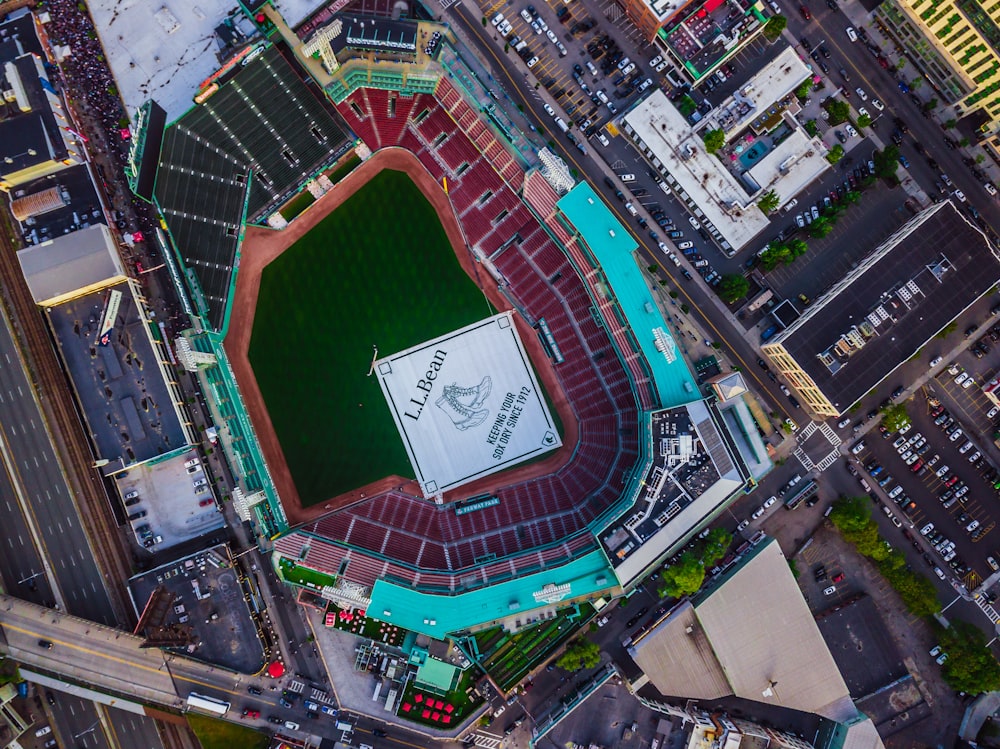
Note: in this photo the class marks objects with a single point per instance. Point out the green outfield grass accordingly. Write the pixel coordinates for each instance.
(380, 270)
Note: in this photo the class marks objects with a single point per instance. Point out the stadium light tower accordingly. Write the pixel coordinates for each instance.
(320, 43)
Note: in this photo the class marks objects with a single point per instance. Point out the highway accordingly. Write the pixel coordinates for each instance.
(46, 520)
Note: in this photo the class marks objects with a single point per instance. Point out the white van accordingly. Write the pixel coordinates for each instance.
(631, 209)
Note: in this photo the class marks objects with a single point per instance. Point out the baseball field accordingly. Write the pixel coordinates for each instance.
(378, 271)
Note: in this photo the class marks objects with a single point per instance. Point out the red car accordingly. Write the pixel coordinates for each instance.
(250, 713)
(837, 578)
(206, 502)
(805, 12)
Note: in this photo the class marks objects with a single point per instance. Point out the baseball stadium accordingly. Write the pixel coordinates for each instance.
(442, 381)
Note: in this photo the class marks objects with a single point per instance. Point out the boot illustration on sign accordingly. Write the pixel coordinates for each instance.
(463, 404)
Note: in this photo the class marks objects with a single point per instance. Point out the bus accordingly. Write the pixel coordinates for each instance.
(208, 704)
(801, 495)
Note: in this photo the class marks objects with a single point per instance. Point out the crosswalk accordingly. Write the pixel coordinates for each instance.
(487, 740)
(831, 436)
(316, 695)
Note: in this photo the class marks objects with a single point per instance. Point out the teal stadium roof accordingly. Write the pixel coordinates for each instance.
(440, 615)
(612, 245)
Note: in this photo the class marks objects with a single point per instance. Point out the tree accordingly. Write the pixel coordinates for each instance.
(797, 247)
(894, 416)
(970, 667)
(932, 104)
(769, 201)
(949, 124)
(686, 106)
(865, 120)
(714, 140)
(717, 543)
(836, 153)
(581, 653)
(820, 227)
(916, 83)
(850, 513)
(852, 196)
(683, 578)
(838, 110)
(733, 287)
(887, 162)
(774, 27)
(804, 89)
(811, 127)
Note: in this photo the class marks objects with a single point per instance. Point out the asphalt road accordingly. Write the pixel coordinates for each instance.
(33, 475)
(77, 723)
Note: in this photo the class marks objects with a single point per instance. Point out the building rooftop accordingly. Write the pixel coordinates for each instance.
(613, 247)
(752, 635)
(791, 165)
(708, 30)
(438, 616)
(913, 285)
(132, 413)
(78, 206)
(690, 477)
(757, 97)
(65, 267)
(165, 53)
(670, 139)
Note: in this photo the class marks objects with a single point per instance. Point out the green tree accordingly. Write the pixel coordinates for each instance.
(864, 120)
(820, 227)
(797, 247)
(715, 546)
(931, 105)
(683, 578)
(836, 153)
(687, 105)
(894, 416)
(850, 514)
(838, 110)
(804, 89)
(579, 654)
(811, 127)
(733, 287)
(887, 162)
(950, 123)
(714, 140)
(774, 27)
(971, 666)
(769, 201)
(916, 83)
(852, 196)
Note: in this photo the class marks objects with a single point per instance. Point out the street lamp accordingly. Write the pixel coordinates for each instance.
(93, 726)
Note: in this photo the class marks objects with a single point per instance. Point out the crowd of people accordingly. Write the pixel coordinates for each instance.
(87, 81)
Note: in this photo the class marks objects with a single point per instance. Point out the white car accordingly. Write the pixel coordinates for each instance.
(936, 360)
(757, 513)
(623, 63)
(800, 221)
(526, 16)
(659, 68)
(993, 412)
(849, 129)
(968, 383)
(852, 34)
(990, 188)
(685, 245)
(770, 501)
(960, 195)
(927, 529)
(505, 29)
(830, 591)
(861, 93)
(843, 422)
(549, 110)
(961, 378)
(603, 139)
(656, 61)
(533, 61)
(742, 526)
(602, 96)
(878, 104)
(862, 112)
(536, 27)
(858, 447)
(972, 526)
(628, 68)
(497, 19)
(552, 37)
(694, 223)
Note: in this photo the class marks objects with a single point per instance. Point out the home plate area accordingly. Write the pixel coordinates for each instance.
(467, 404)
(818, 446)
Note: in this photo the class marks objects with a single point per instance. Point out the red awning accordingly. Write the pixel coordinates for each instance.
(275, 670)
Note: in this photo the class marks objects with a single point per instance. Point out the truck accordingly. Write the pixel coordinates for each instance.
(561, 124)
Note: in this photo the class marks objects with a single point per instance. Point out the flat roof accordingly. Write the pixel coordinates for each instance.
(165, 53)
(657, 125)
(438, 616)
(84, 259)
(791, 165)
(691, 475)
(81, 205)
(914, 284)
(130, 411)
(758, 626)
(777, 79)
(467, 404)
(613, 247)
